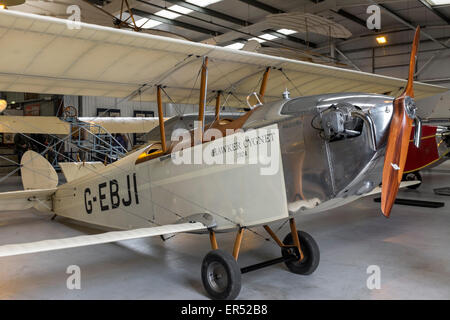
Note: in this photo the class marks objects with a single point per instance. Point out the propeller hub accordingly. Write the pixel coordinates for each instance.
(410, 107)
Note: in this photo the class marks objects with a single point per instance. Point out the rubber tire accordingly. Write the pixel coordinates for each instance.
(417, 177)
(311, 254)
(233, 272)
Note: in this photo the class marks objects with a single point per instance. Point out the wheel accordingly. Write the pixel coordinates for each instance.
(70, 112)
(221, 275)
(311, 254)
(413, 176)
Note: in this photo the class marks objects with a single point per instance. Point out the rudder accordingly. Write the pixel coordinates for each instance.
(37, 172)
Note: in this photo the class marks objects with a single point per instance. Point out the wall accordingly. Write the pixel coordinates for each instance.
(393, 60)
(90, 105)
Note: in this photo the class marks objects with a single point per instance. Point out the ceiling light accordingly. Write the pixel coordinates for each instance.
(167, 14)
(145, 23)
(236, 45)
(264, 37)
(381, 40)
(203, 3)
(286, 31)
(438, 2)
(180, 9)
(268, 36)
(257, 39)
(151, 23)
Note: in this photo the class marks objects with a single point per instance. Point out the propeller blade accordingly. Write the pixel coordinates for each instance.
(409, 89)
(398, 138)
(395, 158)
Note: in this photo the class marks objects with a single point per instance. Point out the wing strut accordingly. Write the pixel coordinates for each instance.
(203, 90)
(262, 90)
(162, 130)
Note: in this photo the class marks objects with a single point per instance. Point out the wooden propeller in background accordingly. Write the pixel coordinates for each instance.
(399, 134)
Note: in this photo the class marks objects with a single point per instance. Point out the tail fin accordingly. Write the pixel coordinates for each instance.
(75, 170)
(37, 172)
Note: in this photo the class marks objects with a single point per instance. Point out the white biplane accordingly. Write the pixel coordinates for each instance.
(289, 156)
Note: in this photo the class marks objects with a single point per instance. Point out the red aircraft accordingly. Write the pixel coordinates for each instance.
(434, 149)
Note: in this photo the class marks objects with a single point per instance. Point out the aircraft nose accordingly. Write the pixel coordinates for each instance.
(346, 120)
(380, 117)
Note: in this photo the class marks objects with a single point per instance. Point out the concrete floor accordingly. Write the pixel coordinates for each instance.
(411, 249)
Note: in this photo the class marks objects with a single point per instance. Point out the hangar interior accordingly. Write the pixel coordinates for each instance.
(409, 249)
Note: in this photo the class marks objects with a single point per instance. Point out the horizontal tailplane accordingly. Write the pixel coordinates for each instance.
(41, 199)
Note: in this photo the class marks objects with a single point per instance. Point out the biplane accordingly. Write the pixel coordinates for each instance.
(434, 150)
(280, 159)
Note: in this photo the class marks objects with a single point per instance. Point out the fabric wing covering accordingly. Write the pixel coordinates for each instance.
(87, 240)
(48, 55)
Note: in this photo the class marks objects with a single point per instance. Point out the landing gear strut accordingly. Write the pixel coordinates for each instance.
(311, 254)
(221, 274)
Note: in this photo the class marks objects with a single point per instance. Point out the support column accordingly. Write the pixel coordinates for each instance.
(80, 107)
(218, 105)
(332, 50)
(373, 60)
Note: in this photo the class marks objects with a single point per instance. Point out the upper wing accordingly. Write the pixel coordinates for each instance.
(33, 124)
(123, 124)
(81, 241)
(47, 55)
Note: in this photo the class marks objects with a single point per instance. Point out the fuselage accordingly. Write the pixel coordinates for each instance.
(331, 170)
(319, 168)
(433, 150)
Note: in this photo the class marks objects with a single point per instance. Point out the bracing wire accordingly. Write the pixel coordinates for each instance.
(292, 83)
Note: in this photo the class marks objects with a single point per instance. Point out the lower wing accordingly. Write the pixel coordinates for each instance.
(403, 184)
(88, 240)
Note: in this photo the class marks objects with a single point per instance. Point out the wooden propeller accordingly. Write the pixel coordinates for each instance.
(399, 134)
